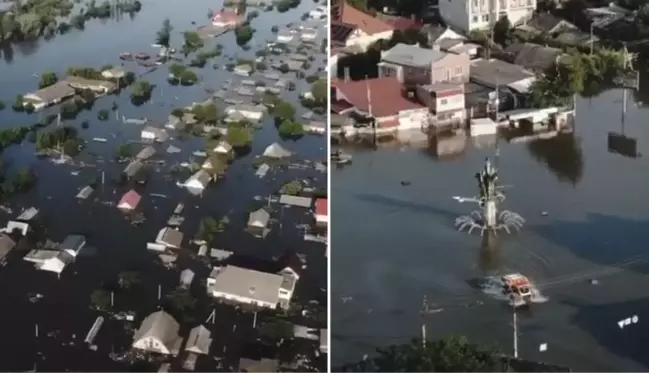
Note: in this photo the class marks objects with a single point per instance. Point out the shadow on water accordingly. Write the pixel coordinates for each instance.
(399, 205)
(562, 155)
(602, 239)
(629, 342)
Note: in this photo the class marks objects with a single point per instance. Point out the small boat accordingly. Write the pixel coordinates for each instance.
(126, 56)
(99, 139)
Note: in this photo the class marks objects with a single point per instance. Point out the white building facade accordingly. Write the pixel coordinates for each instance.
(468, 15)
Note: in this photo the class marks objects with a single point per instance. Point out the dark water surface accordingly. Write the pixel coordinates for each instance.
(393, 244)
(120, 246)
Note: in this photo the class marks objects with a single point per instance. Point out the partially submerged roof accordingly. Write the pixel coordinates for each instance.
(56, 91)
(72, 242)
(387, 96)
(161, 326)
(321, 207)
(133, 167)
(199, 340)
(171, 237)
(146, 153)
(261, 365)
(259, 218)
(286, 199)
(130, 199)
(248, 283)
(6, 244)
(28, 214)
(411, 55)
(275, 150)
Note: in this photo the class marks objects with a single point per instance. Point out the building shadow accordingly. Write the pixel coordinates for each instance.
(603, 239)
(601, 322)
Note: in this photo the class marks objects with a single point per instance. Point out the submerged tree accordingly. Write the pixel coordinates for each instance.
(163, 37)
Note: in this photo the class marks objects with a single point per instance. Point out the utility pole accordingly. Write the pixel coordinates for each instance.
(592, 40)
(515, 322)
(424, 312)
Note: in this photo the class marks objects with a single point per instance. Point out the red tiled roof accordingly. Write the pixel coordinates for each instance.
(363, 21)
(338, 106)
(385, 94)
(130, 198)
(402, 23)
(388, 123)
(321, 207)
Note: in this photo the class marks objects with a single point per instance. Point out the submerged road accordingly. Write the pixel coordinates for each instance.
(398, 244)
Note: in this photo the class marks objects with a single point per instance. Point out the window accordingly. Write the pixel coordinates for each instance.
(443, 101)
(485, 18)
(529, 2)
(475, 19)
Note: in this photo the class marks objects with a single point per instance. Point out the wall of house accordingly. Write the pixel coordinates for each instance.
(332, 67)
(240, 299)
(449, 103)
(452, 68)
(151, 344)
(413, 119)
(389, 69)
(467, 15)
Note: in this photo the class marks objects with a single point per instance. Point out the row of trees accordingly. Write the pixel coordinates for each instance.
(576, 73)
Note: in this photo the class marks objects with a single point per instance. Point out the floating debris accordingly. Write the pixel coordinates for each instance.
(172, 149)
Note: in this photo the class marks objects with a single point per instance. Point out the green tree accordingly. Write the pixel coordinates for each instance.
(207, 229)
(192, 43)
(128, 279)
(103, 114)
(320, 90)
(48, 78)
(243, 34)
(123, 151)
(188, 77)
(181, 303)
(276, 329)
(176, 69)
(284, 110)
(454, 354)
(291, 128)
(502, 30)
(239, 136)
(163, 36)
(100, 299)
(24, 180)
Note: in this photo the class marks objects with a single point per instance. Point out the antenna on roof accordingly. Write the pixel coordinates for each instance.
(369, 96)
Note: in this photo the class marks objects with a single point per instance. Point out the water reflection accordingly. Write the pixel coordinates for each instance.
(447, 146)
(7, 53)
(562, 154)
(489, 256)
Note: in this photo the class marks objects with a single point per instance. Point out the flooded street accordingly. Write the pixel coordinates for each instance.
(64, 311)
(394, 243)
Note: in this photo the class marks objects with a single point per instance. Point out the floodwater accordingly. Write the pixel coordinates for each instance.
(393, 244)
(65, 307)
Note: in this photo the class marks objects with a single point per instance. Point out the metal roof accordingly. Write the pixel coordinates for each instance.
(161, 326)
(411, 55)
(248, 283)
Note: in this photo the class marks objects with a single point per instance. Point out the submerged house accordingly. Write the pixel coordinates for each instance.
(158, 334)
(199, 340)
(6, 245)
(321, 212)
(169, 238)
(259, 219)
(198, 181)
(223, 147)
(129, 201)
(255, 288)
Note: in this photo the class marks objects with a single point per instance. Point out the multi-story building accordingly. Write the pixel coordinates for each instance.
(468, 15)
(412, 65)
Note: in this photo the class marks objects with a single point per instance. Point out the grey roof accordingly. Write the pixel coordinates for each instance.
(294, 65)
(202, 176)
(248, 283)
(6, 244)
(161, 326)
(132, 168)
(411, 55)
(549, 23)
(85, 192)
(72, 242)
(199, 340)
(146, 153)
(496, 72)
(261, 365)
(285, 199)
(533, 56)
(28, 214)
(172, 237)
(446, 44)
(186, 277)
(575, 37)
(275, 150)
(225, 145)
(259, 218)
(55, 92)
